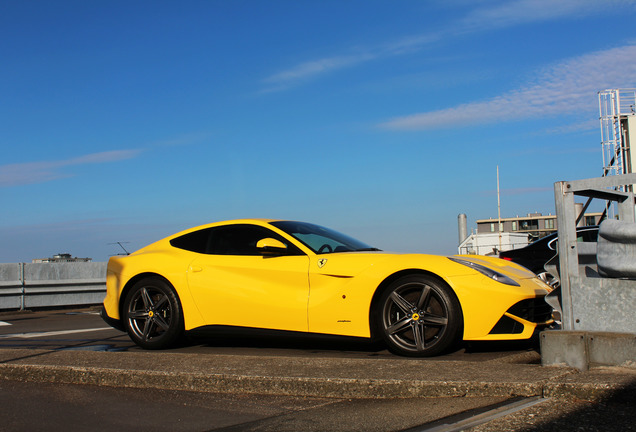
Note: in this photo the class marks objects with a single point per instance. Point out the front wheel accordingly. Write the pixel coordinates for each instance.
(153, 315)
(419, 316)
(549, 279)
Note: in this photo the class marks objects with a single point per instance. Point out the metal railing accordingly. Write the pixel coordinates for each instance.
(615, 105)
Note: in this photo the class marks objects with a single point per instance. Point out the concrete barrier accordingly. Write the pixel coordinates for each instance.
(33, 285)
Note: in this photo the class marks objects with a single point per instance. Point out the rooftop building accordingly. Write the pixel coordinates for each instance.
(61, 257)
(535, 225)
(494, 235)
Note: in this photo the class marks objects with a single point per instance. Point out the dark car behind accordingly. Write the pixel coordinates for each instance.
(538, 253)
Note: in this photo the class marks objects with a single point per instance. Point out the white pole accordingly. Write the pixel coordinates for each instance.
(498, 210)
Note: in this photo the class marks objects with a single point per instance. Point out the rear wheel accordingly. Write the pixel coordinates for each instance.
(419, 316)
(153, 315)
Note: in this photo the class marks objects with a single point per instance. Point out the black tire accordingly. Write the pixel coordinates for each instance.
(152, 314)
(419, 316)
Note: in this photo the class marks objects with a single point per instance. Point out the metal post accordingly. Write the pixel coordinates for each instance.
(626, 208)
(568, 254)
(498, 210)
(23, 287)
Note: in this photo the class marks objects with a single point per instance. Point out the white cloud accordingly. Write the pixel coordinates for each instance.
(511, 13)
(518, 191)
(502, 15)
(566, 88)
(585, 126)
(316, 67)
(41, 172)
(309, 69)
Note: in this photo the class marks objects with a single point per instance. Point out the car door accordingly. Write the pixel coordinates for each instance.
(234, 284)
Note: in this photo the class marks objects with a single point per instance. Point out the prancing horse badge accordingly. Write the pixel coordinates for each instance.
(322, 262)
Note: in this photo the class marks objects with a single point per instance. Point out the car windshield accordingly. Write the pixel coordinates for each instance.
(586, 234)
(320, 239)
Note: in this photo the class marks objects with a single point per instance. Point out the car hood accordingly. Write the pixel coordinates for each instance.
(506, 267)
(351, 264)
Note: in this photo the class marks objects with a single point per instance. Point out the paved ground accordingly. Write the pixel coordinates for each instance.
(516, 375)
(254, 387)
(615, 414)
(85, 329)
(28, 406)
(45, 406)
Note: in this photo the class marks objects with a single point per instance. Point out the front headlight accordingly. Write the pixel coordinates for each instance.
(496, 276)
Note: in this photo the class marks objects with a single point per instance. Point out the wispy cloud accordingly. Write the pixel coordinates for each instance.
(586, 126)
(511, 13)
(517, 191)
(182, 140)
(309, 69)
(44, 171)
(501, 15)
(566, 88)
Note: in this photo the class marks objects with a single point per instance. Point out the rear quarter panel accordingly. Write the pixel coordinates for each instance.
(161, 260)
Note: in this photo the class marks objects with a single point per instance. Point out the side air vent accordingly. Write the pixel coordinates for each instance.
(535, 310)
(507, 325)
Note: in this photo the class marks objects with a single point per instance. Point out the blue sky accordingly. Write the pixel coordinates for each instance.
(131, 120)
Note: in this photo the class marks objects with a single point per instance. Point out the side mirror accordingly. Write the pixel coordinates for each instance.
(270, 246)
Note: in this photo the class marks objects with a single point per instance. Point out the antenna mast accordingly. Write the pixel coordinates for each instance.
(498, 210)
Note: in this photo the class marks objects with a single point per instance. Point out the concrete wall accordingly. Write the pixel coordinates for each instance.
(26, 285)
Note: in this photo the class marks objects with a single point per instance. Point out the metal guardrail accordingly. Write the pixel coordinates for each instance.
(593, 302)
(32, 285)
(598, 321)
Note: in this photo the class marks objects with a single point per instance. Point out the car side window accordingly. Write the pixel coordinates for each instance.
(196, 241)
(242, 239)
(230, 240)
(589, 235)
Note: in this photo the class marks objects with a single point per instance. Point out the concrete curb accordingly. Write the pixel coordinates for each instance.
(313, 375)
(296, 386)
(303, 386)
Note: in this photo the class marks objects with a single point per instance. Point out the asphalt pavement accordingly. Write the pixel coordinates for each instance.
(368, 379)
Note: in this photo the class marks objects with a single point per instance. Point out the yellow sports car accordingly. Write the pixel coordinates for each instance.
(300, 277)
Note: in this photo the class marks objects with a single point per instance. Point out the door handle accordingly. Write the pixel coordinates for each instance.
(196, 269)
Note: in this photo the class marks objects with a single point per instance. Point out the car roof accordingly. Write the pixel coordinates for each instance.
(253, 221)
